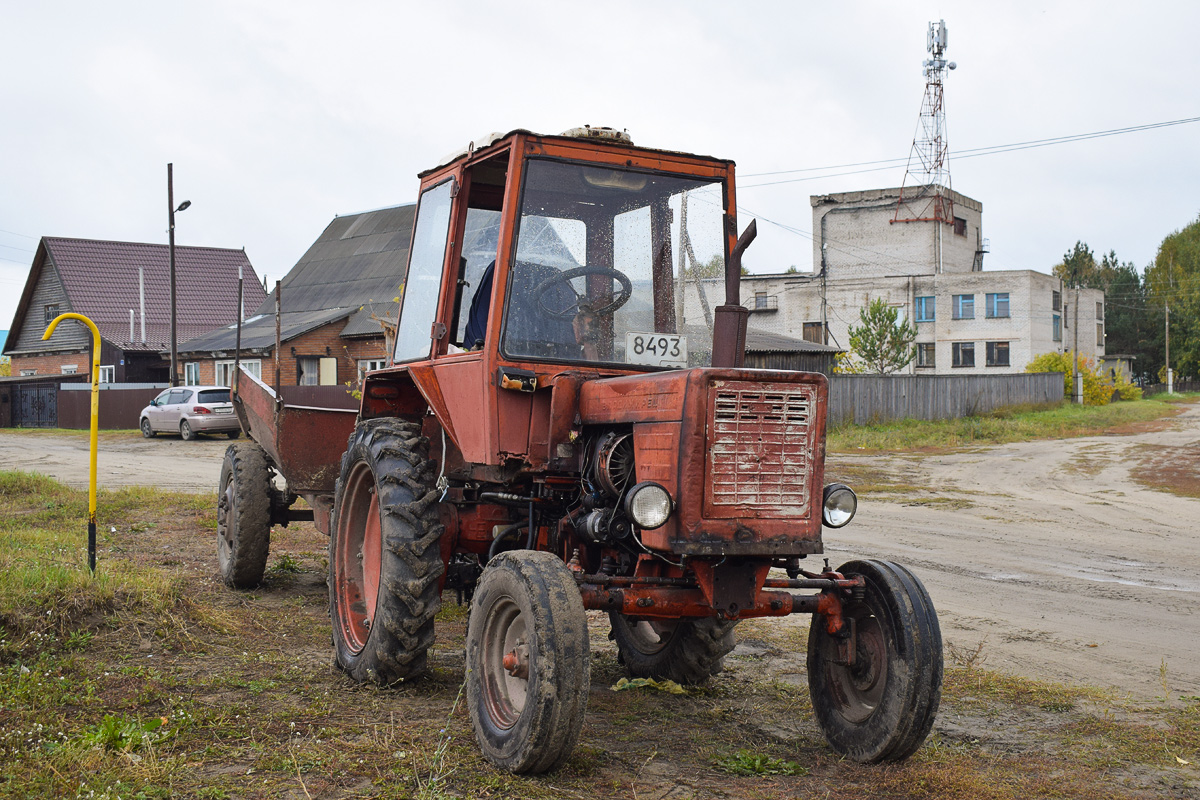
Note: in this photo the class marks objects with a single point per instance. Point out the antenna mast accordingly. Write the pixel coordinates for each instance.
(925, 193)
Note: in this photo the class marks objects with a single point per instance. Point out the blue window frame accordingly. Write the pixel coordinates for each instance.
(964, 306)
(926, 309)
(997, 304)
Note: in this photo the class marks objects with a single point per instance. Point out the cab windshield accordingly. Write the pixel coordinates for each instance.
(610, 266)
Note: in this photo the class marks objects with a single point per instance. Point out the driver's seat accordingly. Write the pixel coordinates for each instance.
(528, 331)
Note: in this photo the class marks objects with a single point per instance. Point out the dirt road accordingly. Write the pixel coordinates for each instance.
(1051, 555)
(1048, 553)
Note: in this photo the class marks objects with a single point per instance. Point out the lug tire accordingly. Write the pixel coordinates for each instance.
(882, 708)
(687, 651)
(527, 721)
(384, 556)
(185, 431)
(147, 431)
(243, 515)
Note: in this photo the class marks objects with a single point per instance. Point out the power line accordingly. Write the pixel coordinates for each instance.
(974, 152)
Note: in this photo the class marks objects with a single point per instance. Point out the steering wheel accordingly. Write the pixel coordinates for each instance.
(564, 279)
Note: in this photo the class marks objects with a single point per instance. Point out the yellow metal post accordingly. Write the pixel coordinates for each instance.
(95, 425)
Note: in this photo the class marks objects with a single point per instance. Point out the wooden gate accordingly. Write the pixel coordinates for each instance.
(35, 405)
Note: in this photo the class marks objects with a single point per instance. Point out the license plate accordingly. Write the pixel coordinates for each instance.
(656, 349)
(223, 410)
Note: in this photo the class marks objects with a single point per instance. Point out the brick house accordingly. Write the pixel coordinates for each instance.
(339, 307)
(124, 288)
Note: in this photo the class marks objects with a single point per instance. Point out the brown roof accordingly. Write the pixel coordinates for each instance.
(101, 282)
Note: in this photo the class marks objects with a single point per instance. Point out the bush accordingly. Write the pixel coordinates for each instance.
(1096, 390)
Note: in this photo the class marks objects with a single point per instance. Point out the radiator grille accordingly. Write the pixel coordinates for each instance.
(759, 449)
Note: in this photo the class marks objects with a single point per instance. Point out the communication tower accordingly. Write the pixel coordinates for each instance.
(925, 195)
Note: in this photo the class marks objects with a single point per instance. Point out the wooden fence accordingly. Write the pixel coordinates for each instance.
(863, 399)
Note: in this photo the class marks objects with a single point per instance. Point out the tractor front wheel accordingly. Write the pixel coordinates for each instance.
(384, 559)
(881, 707)
(243, 515)
(687, 651)
(528, 668)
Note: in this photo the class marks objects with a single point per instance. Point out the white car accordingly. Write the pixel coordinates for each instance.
(189, 411)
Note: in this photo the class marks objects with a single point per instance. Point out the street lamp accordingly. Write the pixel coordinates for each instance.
(171, 209)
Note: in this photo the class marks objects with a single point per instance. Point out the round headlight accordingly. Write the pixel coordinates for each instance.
(648, 505)
(840, 505)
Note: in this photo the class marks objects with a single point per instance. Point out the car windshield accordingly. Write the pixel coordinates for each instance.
(610, 266)
(213, 396)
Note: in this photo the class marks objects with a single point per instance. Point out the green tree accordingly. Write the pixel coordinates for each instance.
(1096, 390)
(1173, 281)
(1128, 326)
(882, 343)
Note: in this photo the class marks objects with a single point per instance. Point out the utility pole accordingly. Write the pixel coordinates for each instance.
(1076, 384)
(171, 209)
(1170, 381)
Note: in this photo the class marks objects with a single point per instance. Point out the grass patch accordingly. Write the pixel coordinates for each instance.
(1009, 425)
(192, 690)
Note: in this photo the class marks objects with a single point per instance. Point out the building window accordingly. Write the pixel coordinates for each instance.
(316, 371)
(191, 373)
(964, 354)
(108, 375)
(224, 370)
(1056, 328)
(25, 373)
(1099, 311)
(964, 306)
(368, 365)
(997, 354)
(1099, 334)
(927, 355)
(1056, 300)
(960, 226)
(997, 304)
(51, 313)
(814, 332)
(70, 369)
(926, 309)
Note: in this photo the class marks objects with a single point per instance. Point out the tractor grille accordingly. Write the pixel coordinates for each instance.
(759, 449)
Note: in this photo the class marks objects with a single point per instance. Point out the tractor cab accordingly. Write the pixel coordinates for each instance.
(577, 250)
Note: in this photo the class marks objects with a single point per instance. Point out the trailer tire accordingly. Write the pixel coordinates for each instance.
(385, 562)
(528, 662)
(243, 515)
(881, 708)
(687, 651)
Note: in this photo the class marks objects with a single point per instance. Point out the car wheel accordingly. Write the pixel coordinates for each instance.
(186, 432)
(233, 434)
(147, 431)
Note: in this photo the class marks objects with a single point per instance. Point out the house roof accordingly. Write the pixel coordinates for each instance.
(353, 269)
(100, 279)
(764, 342)
(258, 332)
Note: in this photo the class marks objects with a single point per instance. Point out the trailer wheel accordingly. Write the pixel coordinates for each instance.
(882, 707)
(528, 667)
(687, 651)
(243, 515)
(384, 559)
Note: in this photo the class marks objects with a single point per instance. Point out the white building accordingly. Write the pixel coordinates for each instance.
(968, 320)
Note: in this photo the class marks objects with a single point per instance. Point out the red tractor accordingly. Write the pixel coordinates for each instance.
(567, 425)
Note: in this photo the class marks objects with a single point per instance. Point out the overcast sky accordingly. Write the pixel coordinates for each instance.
(279, 116)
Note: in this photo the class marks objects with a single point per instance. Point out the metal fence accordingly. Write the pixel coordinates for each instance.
(863, 399)
(120, 404)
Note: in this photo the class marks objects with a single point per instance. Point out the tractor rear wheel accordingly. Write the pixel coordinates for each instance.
(881, 707)
(528, 667)
(384, 559)
(243, 515)
(687, 651)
